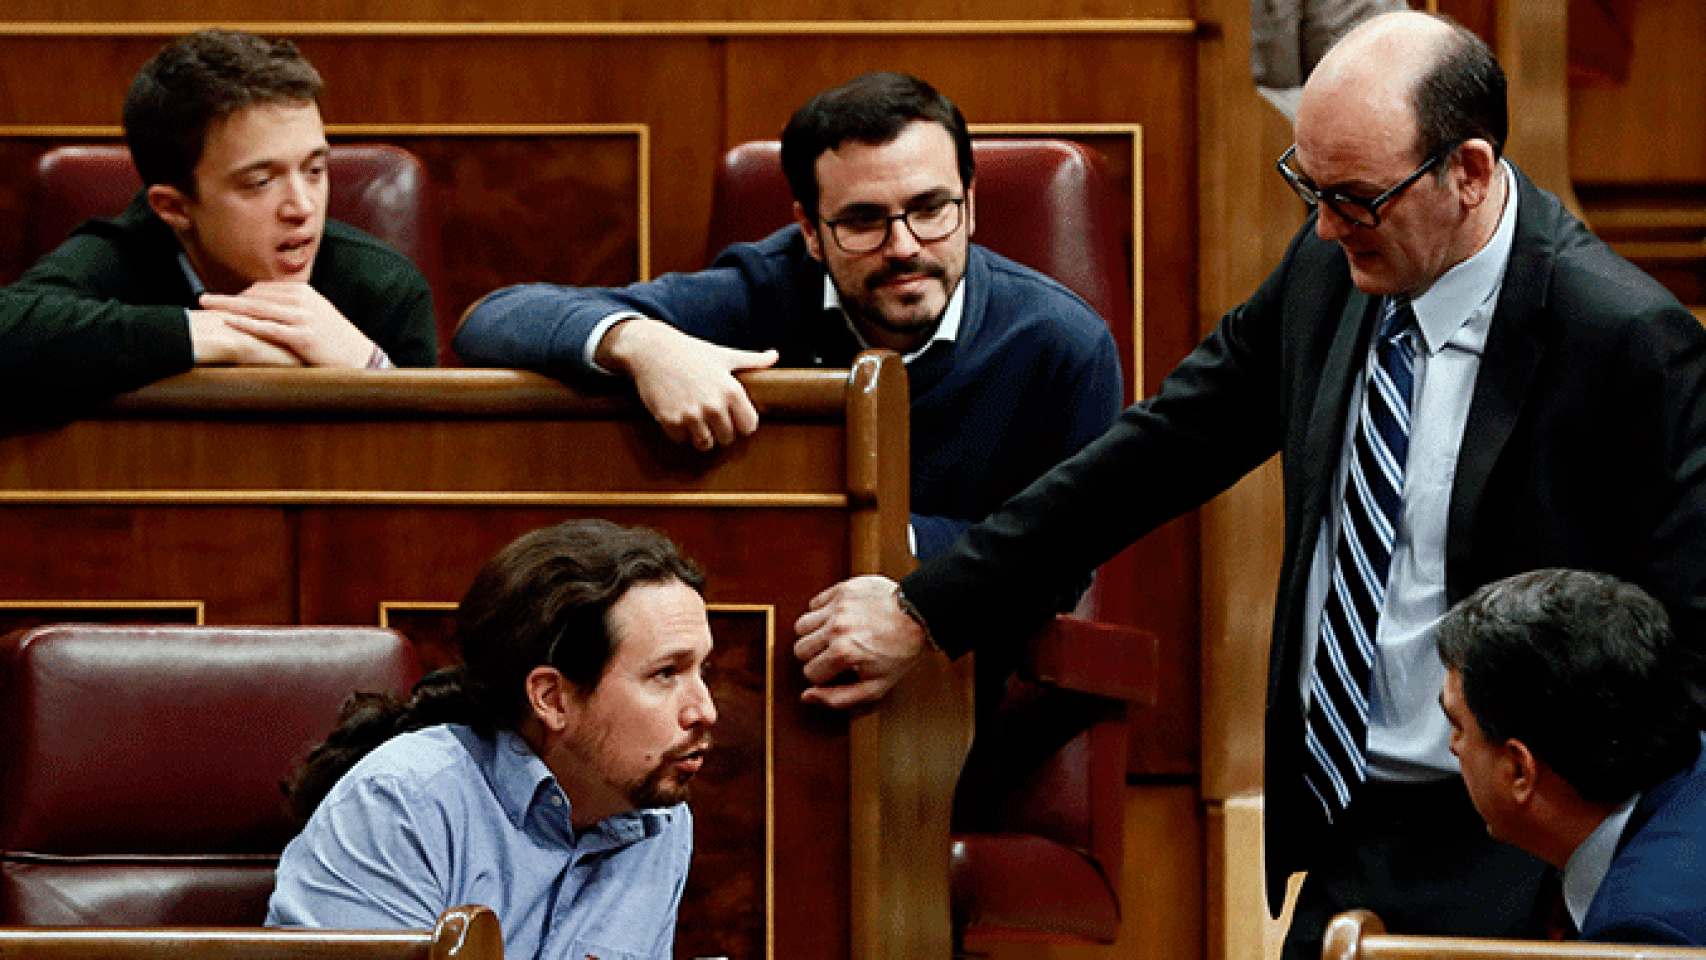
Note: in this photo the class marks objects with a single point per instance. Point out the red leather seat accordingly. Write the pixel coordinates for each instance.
(1044, 203)
(375, 187)
(142, 764)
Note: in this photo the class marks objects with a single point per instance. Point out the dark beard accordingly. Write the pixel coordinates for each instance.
(657, 789)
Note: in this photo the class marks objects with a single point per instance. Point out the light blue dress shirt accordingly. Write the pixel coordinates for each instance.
(1408, 734)
(443, 817)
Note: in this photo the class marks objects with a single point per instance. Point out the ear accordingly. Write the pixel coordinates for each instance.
(1476, 166)
(971, 209)
(552, 698)
(1524, 770)
(171, 205)
(808, 226)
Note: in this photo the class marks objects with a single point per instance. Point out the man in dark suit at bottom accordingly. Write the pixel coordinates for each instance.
(1577, 720)
(1462, 384)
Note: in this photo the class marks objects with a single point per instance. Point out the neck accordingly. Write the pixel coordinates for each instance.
(1564, 826)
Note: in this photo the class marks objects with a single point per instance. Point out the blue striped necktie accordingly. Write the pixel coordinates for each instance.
(1337, 729)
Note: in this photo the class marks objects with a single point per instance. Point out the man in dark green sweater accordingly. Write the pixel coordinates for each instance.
(231, 227)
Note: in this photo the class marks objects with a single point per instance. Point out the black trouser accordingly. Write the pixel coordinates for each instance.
(1419, 856)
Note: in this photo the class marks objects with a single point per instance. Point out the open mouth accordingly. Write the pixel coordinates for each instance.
(691, 757)
(294, 253)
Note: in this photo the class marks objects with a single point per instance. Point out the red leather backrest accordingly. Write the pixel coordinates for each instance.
(375, 187)
(1044, 203)
(142, 764)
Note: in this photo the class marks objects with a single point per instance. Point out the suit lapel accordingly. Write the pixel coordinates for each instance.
(1508, 365)
(1327, 417)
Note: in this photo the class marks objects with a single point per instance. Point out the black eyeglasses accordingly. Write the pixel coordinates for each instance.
(1363, 213)
(929, 222)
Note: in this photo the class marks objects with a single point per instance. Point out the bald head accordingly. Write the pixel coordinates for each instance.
(1418, 82)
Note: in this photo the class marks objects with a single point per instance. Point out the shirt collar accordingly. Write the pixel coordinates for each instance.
(946, 331)
(197, 288)
(1472, 286)
(522, 782)
(1591, 861)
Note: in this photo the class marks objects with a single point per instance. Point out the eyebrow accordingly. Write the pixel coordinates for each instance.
(864, 208)
(675, 656)
(322, 152)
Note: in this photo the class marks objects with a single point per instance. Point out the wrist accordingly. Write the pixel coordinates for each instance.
(906, 607)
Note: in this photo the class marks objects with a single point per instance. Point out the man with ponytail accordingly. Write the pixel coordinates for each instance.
(544, 777)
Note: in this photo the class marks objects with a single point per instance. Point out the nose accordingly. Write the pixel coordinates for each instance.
(901, 242)
(300, 198)
(1329, 225)
(700, 710)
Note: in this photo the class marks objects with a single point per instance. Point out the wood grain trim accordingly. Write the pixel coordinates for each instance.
(199, 606)
(641, 132)
(769, 611)
(424, 606)
(421, 498)
(1140, 26)
(1135, 132)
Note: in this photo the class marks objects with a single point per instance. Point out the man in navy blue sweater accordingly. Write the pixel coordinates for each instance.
(1009, 371)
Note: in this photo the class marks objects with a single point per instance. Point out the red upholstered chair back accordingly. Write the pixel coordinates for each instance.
(142, 764)
(1044, 203)
(376, 187)
(1039, 815)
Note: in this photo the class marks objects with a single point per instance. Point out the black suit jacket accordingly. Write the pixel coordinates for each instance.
(1585, 447)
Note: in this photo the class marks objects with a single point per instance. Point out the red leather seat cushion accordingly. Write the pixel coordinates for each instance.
(995, 893)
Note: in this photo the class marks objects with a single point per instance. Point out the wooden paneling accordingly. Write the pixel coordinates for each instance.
(1649, 128)
(616, 11)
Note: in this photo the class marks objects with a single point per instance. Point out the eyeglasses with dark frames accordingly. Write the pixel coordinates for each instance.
(1363, 213)
(930, 221)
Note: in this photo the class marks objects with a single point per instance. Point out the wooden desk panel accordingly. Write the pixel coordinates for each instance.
(338, 497)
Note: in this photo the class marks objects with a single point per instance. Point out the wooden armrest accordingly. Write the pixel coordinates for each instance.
(1111, 661)
(462, 933)
(1359, 935)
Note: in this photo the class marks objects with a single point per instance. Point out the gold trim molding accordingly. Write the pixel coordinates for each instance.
(1176, 26)
(200, 607)
(421, 498)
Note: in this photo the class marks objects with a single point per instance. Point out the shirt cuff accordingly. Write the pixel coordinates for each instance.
(377, 360)
(596, 337)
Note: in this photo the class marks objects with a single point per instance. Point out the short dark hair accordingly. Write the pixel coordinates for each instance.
(1585, 670)
(544, 599)
(1460, 97)
(872, 108)
(198, 79)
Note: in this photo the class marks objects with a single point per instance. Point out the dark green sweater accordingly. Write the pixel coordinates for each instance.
(104, 313)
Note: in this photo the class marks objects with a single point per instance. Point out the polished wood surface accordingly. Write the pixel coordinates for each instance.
(462, 933)
(315, 496)
(1359, 935)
